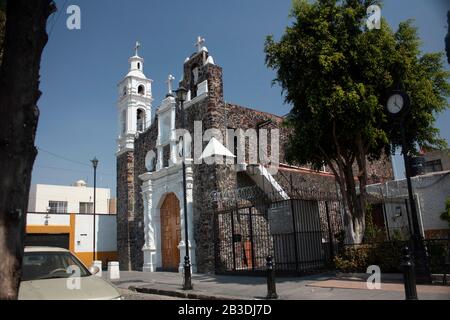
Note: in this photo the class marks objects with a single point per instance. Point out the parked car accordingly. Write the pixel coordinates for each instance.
(48, 274)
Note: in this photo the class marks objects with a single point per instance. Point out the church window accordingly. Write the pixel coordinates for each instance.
(141, 89)
(140, 120)
(124, 91)
(139, 66)
(166, 155)
(194, 80)
(124, 121)
(165, 129)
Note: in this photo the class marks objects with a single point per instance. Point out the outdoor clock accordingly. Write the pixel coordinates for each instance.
(397, 103)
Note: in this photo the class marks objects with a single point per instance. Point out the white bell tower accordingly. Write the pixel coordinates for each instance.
(134, 104)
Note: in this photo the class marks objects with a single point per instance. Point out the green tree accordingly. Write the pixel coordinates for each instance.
(336, 75)
(446, 214)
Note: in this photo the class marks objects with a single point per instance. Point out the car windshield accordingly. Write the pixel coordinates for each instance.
(51, 265)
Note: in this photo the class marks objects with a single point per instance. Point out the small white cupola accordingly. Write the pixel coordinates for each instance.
(136, 63)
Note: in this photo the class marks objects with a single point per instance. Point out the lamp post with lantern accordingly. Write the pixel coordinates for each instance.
(187, 283)
(94, 164)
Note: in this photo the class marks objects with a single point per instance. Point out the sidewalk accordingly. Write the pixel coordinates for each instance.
(317, 287)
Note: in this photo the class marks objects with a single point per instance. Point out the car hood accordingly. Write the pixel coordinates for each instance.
(91, 288)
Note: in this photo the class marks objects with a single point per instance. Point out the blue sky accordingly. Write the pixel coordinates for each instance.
(81, 68)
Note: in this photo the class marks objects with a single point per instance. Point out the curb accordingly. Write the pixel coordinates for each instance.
(363, 276)
(184, 294)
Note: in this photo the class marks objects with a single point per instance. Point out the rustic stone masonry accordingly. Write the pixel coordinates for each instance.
(125, 208)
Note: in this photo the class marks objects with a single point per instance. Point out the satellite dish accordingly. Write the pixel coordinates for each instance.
(150, 161)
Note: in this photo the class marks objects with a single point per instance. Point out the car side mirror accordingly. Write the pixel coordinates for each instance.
(94, 269)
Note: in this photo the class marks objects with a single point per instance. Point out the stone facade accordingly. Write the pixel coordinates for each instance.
(125, 207)
(205, 103)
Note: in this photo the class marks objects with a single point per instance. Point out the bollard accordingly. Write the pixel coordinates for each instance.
(98, 264)
(409, 276)
(113, 270)
(271, 287)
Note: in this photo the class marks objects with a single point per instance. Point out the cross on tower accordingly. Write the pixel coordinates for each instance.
(169, 81)
(199, 44)
(136, 48)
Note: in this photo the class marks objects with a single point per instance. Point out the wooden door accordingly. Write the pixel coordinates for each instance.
(170, 233)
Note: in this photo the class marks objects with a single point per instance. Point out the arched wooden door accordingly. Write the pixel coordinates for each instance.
(170, 233)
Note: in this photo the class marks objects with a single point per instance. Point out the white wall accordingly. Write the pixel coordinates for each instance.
(430, 190)
(105, 233)
(106, 230)
(53, 219)
(41, 194)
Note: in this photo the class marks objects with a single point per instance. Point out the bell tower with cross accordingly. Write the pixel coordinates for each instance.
(134, 103)
(134, 110)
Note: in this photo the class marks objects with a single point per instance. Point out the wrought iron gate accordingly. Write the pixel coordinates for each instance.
(298, 233)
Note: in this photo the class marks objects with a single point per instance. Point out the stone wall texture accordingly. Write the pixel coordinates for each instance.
(125, 207)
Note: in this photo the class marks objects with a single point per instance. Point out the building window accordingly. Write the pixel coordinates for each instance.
(141, 89)
(124, 121)
(140, 120)
(433, 166)
(58, 206)
(86, 207)
(166, 155)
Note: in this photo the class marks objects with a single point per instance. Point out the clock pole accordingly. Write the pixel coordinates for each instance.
(419, 249)
(421, 258)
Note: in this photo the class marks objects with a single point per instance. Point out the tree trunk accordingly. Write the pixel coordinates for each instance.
(355, 227)
(361, 160)
(25, 39)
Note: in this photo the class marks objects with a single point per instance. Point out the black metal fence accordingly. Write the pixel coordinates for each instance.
(297, 232)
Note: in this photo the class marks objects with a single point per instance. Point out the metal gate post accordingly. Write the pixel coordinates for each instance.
(251, 238)
(232, 241)
(295, 233)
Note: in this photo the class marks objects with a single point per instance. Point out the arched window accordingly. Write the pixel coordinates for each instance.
(141, 89)
(140, 120)
(124, 91)
(139, 66)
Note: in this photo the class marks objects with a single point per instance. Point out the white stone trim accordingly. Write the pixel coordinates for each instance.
(195, 100)
(156, 185)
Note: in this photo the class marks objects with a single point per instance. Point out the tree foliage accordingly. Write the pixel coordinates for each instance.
(336, 74)
(446, 214)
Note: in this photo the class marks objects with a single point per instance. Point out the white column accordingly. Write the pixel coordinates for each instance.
(190, 216)
(173, 141)
(159, 149)
(149, 248)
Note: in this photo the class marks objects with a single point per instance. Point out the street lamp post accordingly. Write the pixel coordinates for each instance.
(187, 284)
(94, 164)
(398, 106)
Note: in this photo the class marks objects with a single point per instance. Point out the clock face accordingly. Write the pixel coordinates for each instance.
(395, 103)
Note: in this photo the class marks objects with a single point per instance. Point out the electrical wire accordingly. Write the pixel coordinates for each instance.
(64, 158)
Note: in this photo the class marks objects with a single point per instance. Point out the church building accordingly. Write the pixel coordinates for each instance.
(150, 186)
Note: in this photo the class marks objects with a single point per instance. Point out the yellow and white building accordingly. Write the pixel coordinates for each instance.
(62, 216)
